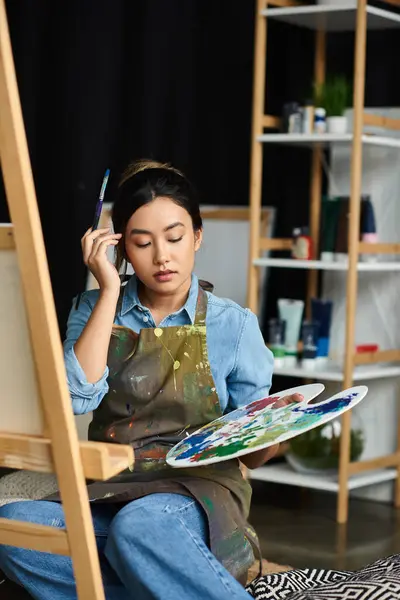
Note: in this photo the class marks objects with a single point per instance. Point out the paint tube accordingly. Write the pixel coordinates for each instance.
(276, 340)
(291, 311)
(368, 227)
(321, 312)
(310, 334)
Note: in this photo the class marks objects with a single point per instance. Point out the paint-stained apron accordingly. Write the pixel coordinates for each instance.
(161, 389)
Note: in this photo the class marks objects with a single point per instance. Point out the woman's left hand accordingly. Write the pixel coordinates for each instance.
(286, 400)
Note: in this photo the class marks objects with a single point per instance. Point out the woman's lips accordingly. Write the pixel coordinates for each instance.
(163, 276)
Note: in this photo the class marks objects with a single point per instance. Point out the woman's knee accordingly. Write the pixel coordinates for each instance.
(142, 519)
(42, 513)
(34, 511)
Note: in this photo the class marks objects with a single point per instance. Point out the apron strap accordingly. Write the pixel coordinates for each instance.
(254, 541)
(201, 307)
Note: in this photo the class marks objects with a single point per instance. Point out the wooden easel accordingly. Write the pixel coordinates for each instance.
(37, 428)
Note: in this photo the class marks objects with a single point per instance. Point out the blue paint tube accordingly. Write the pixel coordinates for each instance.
(321, 312)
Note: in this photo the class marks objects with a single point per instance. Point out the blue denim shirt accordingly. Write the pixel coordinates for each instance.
(241, 364)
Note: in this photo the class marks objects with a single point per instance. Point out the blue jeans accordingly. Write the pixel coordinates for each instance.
(154, 548)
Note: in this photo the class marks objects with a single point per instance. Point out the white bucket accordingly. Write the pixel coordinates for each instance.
(336, 125)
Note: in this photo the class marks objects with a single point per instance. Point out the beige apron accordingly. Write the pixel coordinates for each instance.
(160, 389)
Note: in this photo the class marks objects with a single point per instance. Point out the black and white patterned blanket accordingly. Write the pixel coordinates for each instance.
(378, 581)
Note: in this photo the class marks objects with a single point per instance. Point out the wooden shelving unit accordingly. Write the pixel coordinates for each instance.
(323, 19)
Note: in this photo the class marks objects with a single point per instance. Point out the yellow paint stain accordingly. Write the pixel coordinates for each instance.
(186, 354)
(177, 364)
(158, 332)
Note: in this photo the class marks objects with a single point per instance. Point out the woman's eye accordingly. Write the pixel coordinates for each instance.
(176, 240)
(143, 245)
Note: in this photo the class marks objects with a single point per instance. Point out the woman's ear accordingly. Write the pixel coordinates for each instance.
(198, 238)
(120, 254)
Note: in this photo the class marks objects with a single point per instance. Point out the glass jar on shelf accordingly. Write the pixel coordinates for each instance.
(317, 452)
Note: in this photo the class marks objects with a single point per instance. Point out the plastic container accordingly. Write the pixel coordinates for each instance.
(320, 120)
(368, 228)
(307, 111)
(302, 244)
(276, 340)
(310, 332)
(292, 118)
(291, 311)
(321, 312)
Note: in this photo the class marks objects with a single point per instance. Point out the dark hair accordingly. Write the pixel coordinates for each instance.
(143, 182)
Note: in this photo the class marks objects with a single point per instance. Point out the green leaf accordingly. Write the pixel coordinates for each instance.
(334, 95)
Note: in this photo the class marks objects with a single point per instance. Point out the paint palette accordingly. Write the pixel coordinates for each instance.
(259, 425)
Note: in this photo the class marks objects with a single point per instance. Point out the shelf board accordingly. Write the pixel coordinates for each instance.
(283, 473)
(306, 140)
(333, 18)
(321, 265)
(334, 373)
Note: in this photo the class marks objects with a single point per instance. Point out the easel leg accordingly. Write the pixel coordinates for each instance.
(43, 327)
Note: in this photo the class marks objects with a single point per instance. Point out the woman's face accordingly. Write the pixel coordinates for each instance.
(160, 244)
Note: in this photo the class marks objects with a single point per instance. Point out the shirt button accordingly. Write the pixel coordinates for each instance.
(145, 319)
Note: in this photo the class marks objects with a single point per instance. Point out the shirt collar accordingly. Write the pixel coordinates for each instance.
(131, 299)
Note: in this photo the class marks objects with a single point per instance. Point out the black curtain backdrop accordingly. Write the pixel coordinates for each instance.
(103, 82)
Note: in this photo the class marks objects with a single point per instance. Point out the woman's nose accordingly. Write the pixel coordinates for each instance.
(161, 255)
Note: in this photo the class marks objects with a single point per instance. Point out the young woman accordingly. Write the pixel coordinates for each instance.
(156, 359)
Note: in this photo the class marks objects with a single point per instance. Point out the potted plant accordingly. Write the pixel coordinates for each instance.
(318, 451)
(334, 96)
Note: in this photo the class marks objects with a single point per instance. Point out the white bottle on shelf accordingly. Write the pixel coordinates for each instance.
(320, 120)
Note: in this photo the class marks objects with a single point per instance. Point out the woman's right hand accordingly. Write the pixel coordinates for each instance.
(94, 249)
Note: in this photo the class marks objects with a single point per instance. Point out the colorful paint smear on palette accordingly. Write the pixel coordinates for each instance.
(258, 425)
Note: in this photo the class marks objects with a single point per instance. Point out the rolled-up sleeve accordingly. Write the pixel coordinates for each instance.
(251, 376)
(85, 396)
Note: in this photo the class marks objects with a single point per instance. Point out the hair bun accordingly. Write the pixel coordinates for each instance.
(143, 164)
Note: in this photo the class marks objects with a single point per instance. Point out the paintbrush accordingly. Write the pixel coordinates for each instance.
(97, 213)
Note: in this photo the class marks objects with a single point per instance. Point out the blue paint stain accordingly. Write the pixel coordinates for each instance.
(332, 406)
(197, 444)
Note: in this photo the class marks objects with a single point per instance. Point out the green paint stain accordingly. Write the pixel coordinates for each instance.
(207, 390)
(208, 503)
(222, 451)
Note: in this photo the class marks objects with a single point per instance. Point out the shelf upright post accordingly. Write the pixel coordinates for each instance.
(256, 166)
(353, 248)
(316, 173)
